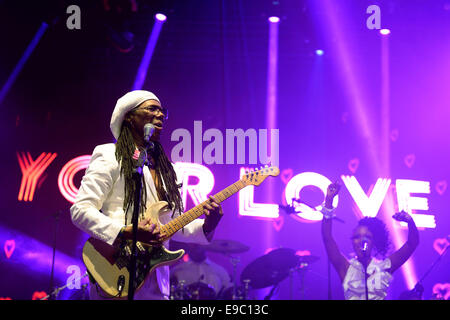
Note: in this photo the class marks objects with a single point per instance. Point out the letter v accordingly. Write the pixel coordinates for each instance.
(367, 205)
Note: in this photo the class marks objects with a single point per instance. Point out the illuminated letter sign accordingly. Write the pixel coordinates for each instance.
(65, 178)
(249, 208)
(408, 203)
(297, 183)
(367, 205)
(31, 172)
(198, 192)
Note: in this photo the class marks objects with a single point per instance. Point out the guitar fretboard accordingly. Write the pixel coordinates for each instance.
(179, 222)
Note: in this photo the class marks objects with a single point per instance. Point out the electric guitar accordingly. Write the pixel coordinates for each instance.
(108, 265)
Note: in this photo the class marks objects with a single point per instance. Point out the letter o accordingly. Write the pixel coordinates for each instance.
(66, 175)
(297, 183)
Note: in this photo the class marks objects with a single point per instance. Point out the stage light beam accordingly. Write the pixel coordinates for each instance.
(26, 55)
(151, 44)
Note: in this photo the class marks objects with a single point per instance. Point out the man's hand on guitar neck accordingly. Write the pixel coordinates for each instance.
(213, 213)
(147, 232)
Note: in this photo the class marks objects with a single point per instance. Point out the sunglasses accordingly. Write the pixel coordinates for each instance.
(156, 109)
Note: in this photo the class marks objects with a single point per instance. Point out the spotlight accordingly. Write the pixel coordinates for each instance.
(385, 32)
(160, 17)
(274, 19)
(319, 52)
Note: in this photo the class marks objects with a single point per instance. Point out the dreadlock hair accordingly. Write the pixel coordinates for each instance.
(125, 148)
(165, 171)
(380, 234)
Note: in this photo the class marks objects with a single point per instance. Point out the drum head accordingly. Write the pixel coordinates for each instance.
(227, 293)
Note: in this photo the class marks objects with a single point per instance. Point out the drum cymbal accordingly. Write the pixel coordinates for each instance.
(273, 267)
(307, 259)
(226, 246)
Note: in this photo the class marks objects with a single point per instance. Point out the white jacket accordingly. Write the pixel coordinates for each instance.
(98, 211)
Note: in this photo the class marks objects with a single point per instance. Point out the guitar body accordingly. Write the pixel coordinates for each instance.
(108, 265)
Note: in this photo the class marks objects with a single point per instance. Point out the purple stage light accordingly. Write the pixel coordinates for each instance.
(26, 55)
(385, 32)
(27, 253)
(160, 17)
(274, 19)
(319, 52)
(151, 44)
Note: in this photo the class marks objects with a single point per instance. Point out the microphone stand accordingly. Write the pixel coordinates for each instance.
(290, 209)
(418, 289)
(329, 280)
(365, 282)
(137, 177)
(365, 264)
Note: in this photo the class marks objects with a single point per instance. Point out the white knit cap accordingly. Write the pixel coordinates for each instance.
(126, 103)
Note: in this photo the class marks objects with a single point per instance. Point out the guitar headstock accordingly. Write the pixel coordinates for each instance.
(256, 177)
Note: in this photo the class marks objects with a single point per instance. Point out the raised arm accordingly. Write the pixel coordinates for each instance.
(399, 257)
(337, 259)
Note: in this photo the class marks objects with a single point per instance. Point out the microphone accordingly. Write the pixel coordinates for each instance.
(148, 132)
(364, 244)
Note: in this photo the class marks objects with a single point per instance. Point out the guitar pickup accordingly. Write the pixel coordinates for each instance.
(140, 247)
(127, 251)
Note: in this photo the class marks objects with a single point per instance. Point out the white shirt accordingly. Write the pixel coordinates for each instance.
(98, 210)
(377, 283)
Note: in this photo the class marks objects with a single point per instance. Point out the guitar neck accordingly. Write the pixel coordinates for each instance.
(179, 222)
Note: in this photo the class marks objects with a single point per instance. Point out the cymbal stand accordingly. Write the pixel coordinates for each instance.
(301, 269)
(272, 291)
(418, 289)
(246, 288)
(54, 294)
(291, 283)
(52, 273)
(234, 262)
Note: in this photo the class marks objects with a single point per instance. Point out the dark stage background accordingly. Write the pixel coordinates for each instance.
(210, 65)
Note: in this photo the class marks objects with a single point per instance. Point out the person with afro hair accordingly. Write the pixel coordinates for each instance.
(365, 277)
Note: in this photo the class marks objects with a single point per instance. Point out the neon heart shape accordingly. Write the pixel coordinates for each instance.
(286, 175)
(441, 186)
(440, 244)
(278, 223)
(353, 165)
(410, 159)
(303, 253)
(442, 289)
(9, 247)
(283, 198)
(394, 135)
(38, 295)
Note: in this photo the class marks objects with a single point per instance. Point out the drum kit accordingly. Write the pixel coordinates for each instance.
(266, 271)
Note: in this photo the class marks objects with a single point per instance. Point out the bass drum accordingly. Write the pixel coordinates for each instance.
(200, 291)
(227, 294)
